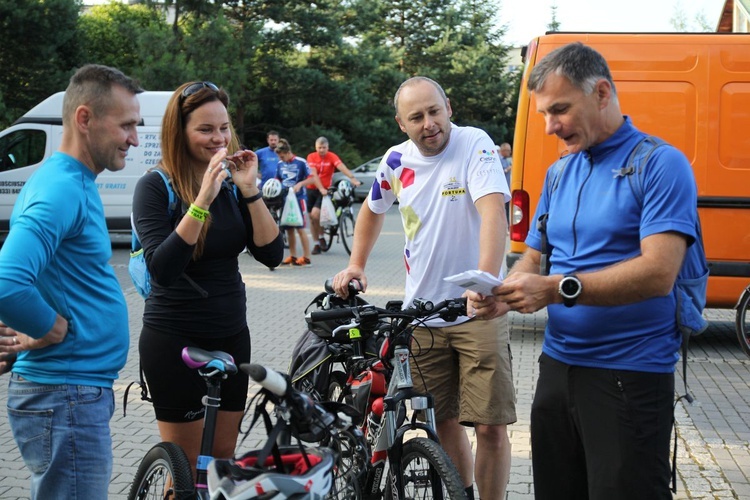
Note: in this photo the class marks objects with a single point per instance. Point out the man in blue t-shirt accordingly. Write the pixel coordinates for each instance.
(602, 413)
(268, 160)
(62, 311)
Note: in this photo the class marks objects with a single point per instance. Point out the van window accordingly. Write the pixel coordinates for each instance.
(22, 148)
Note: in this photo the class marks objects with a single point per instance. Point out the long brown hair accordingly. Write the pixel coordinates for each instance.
(175, 159)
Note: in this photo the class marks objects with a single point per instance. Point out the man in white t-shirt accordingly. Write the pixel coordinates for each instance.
(451, 193)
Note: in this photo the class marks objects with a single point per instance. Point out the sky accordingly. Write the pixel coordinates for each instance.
(526, 19)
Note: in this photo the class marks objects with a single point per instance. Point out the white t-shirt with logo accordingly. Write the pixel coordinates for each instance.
(436, 196)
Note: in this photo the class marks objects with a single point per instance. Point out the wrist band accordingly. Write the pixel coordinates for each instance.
(250, 199)
(197, 213)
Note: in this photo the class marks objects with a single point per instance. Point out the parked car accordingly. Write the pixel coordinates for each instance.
(364, 173)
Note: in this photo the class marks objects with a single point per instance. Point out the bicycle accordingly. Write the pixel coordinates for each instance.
(418, 466)
(165, 471)
(742, 319)
(343, 230)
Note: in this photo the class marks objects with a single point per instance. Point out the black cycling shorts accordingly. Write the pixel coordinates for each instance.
(314, 199)
(177, 390)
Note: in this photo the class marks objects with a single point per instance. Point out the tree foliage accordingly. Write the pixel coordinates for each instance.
(39, 52)
(326, 67)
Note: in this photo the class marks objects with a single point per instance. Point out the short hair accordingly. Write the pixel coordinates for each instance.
(272, 132)
(580, 64)
(321, 140)
(412, 81)
(283, 146)
(92, 85)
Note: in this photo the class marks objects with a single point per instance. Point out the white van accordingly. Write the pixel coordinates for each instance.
(37, 134)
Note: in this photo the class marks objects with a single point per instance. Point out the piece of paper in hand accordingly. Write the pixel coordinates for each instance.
(475, 280)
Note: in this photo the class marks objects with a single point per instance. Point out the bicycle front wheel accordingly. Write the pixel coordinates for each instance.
(164, 473)
(742, 326)
(346, 230)
(427, 472)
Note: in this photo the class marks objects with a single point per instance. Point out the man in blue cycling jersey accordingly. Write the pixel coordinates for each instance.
(268, 160)
(602, 413)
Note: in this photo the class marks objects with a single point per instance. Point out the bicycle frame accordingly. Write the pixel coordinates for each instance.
(389, 436)
(213, 372)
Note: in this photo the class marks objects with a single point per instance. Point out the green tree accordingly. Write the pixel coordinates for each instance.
(554, 24)
(40, 52)
(113, 34)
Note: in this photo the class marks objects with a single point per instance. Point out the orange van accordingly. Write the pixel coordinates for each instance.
(693, 91)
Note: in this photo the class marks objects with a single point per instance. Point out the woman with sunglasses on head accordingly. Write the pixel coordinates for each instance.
(197, 293)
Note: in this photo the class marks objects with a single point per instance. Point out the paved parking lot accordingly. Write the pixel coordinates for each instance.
(713, 433)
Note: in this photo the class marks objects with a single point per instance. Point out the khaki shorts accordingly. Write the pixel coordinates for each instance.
(468, 369)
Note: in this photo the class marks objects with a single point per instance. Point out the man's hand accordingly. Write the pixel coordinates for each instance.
(527, 292)
(342, 279)
(484, 307)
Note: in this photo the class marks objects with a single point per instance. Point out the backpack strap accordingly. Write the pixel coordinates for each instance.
(172, 205)
(636, 161)
(553, 180)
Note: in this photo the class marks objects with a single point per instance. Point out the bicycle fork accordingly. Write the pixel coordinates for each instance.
(390, 436)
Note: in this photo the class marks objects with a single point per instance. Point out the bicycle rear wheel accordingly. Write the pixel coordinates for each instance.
(427, 472)
(742, 322)
(346, 230)
(163, 473)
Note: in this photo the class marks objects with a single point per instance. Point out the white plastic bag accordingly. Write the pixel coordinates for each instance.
(291, 215)
(328, 213)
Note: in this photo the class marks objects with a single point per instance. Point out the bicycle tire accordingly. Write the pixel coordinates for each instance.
(742, 326)
(346, 230)
(329, 232)
(164, 472)
(351, 467)
(427, 472)
(336, 385)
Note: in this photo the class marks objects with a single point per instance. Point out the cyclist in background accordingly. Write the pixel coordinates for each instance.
(324, 162)
(293, 173)
(451, 190)
(61, 307)
(198, 297)
(268, 160)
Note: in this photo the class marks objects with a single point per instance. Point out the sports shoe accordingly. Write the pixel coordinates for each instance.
(323, 244)
(289, 260)
(302, 261)
(316, 250)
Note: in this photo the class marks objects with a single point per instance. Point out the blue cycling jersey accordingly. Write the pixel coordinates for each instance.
(596, 221)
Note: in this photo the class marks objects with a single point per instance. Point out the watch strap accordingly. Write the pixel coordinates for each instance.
(251, 199)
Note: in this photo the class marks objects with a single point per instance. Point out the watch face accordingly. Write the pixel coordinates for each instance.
(570, 287)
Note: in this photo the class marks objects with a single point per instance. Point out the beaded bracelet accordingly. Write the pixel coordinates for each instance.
(197, 213)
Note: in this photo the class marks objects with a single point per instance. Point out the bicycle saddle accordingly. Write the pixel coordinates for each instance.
(196, 358)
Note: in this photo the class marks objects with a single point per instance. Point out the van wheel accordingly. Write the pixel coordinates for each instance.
(743, 322)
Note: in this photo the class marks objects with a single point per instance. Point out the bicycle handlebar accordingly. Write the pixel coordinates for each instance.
(422, 308)
(270, 380)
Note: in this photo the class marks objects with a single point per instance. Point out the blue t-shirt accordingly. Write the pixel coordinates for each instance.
(293, 172)
(56, 261)
(268, 161)
(595, 221)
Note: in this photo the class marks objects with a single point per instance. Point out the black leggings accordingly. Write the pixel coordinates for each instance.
(177, 390)
(601, 434)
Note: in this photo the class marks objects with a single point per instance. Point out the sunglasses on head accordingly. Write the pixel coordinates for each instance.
(195, 87)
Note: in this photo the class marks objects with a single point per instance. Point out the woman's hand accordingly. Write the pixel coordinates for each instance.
(244, 167)
(212, 179)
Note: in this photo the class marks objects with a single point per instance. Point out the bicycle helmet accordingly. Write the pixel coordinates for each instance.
(307, 474)
(343, 191)
(272, 189)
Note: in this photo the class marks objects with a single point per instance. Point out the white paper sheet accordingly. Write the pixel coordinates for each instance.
(476, 281)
